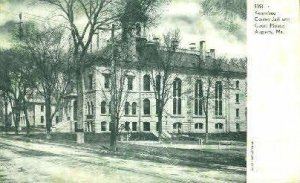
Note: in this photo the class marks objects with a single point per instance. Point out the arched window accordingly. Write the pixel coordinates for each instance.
(88, 108)
(92, 108)
(126, 108)
(106, 80)
(134, 108)
(146, 82)
(146, 105)
(198, 98)
(129, 83)
(218, 98)
(103, 107)
(177, 96)
(218, 126)
(90, 81)
(198, 125)
(103, 126)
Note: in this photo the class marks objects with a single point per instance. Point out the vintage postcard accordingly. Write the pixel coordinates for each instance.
(149, 91)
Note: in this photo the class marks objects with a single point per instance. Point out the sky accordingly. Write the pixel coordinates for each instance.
(185, 15)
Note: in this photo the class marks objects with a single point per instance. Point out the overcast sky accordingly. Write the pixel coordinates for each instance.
(185, 15)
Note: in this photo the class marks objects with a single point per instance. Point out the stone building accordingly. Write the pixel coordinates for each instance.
(184, 111)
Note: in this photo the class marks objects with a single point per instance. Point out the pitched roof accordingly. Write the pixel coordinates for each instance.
(151, 53)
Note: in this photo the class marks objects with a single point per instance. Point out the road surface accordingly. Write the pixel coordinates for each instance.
(42, 161)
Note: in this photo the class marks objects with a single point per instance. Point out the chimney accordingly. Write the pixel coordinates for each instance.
(192, 46)
(202, 50)
(212, 53)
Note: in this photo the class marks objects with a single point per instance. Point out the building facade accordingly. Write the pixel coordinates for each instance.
(184, 111)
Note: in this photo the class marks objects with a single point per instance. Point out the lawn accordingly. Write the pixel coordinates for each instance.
(150, 161)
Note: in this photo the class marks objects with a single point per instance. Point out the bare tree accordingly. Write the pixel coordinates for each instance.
(51, 66)
(162, 63)
(98, 14)
(215, 84)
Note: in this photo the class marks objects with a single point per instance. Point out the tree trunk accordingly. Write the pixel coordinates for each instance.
(113, 135)
(27, 120)
(80, 104)
(48, 117)
(206, 126)
(6, 117)
(159, 125)
(17, 122)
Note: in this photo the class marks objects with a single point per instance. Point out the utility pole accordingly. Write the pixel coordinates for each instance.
(113, 135)
(20, 26)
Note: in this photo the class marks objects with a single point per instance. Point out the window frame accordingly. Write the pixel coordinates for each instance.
(147, 106)
(103, 107)
(177, 88)
(146, 82)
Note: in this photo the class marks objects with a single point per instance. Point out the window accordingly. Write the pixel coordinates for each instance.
(126, 108)
(75, 110)
(237, 98)
(103, 126)
(146, 106)
(176, 125)
(146, 126)
(109, 107)
(237, 113)
(42, 108)
(177, 96)
(198, 125)
(129, 83)
(56, 119)
(42, 119)
(134, 108)
(237, 84)
(134, 126)
(90, 81)
(218, 98)
(106, 80)
(111, 124)
(89, 108)
(146, 82)
(198, 98)
(103, 107)
(92, 108)
(127, 124)
(219, 126)
(237, 127)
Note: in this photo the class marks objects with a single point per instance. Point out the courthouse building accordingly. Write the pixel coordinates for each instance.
(184, 111)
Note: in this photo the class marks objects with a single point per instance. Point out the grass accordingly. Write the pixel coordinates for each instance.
(204, 158)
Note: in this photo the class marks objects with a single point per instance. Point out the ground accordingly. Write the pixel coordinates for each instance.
(33, 160)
